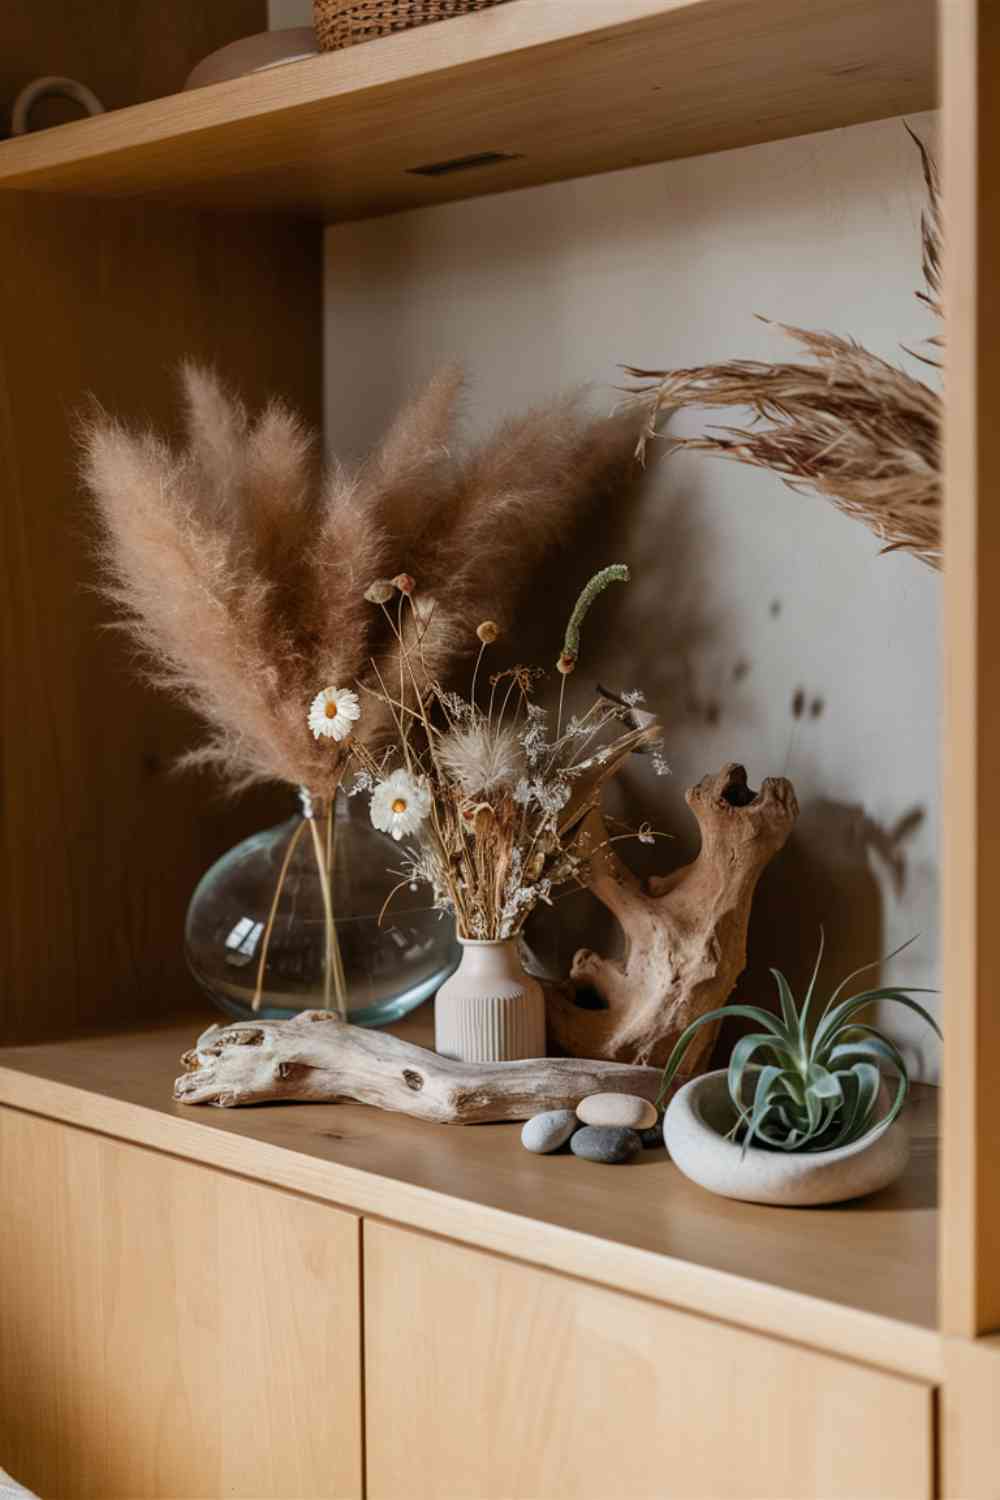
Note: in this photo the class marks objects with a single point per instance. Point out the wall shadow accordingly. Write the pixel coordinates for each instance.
(825, 877)
(670, 633)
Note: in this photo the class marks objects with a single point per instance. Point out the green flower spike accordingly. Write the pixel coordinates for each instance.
(616, 573)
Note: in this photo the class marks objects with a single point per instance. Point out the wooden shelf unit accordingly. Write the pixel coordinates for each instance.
(559, 88)
(193, 224)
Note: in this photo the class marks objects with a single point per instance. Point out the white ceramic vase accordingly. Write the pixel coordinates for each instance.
(490, 1010)
(694, 1132)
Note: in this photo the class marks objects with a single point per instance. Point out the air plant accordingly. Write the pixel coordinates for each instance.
(849, 426)
(810, 1085)
(492, 799)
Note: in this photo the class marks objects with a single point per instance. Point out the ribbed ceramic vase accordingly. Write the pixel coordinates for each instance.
(490, 1010)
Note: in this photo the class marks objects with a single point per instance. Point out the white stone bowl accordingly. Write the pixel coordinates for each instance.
(694, 1131)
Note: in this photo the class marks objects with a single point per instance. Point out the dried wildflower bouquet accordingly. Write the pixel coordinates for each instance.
(494, 796)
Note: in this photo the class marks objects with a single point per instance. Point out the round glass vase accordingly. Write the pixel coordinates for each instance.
(288, 921)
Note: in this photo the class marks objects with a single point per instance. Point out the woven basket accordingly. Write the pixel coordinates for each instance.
(344, 23)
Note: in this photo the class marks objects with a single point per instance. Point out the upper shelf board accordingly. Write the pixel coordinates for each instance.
(553, 88)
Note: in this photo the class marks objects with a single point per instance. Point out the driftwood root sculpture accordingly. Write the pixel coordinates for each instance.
(685, 933)
(320, 1058)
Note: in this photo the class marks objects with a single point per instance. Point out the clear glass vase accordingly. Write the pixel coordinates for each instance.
(288, 920)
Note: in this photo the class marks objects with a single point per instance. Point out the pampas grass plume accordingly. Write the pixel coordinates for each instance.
(241, 571)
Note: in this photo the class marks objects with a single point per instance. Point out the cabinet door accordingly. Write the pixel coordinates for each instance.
(490, 1380)
(169, 1331)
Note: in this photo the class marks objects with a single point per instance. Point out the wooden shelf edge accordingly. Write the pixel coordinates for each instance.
(502, 99)
(40, 159)
(766, 1308)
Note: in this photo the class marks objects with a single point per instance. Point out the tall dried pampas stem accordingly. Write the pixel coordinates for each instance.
(850, 426)
(240, 570)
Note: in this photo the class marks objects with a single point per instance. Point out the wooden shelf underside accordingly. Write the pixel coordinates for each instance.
(564, 89)
(858, 1280)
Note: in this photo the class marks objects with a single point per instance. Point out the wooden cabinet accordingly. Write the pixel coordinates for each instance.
(180, 1299)
(490, 1380)
(169, 1330)
(181, 1309)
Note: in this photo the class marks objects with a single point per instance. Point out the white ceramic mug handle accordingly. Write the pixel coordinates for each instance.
(42, 88)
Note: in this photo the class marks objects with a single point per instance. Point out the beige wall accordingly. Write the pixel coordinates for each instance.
(745, 594)
(289, 13)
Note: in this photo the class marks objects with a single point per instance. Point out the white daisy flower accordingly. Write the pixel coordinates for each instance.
(400, 804)
(333, 713)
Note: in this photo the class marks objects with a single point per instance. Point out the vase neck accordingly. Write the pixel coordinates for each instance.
(491, 956)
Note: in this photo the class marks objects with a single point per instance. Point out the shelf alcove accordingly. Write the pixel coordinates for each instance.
(193, 223)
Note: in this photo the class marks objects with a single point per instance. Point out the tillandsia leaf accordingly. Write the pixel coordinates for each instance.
(748, 1012)
(799, 1136)
(814, 1111)
(869, 1086)
(875, 963)
(863, 1127)
(869, 1046)
(782, 1125)
(785, 1120)
(795, 1084)
(790, 1141)
(793, 1141)
(762, 1103)
(822, 1086)
(788, 1012)
(744, 1051)
(821, 1081)
(851, 1089)
(824, 1141)
(807, 1002)
(902, 1089)
(788, 1096)
(839, 1017)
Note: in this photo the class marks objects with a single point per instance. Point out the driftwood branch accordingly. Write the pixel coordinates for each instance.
(685, 933)
(318, 1057)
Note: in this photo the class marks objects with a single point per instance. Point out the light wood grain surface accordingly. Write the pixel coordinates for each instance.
(565, 87)
(169, 1330)
(971, 819)
(970, 1400)
(487, 1380)
(101, 844)
(857, 1279)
